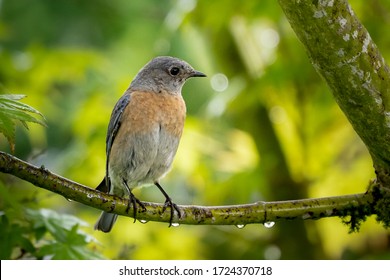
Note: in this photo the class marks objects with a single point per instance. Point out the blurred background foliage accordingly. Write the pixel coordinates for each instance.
(262, 126)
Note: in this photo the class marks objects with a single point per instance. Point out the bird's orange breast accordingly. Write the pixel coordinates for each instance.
(146, 110)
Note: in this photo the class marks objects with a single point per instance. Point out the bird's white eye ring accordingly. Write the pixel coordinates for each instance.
(174, 71)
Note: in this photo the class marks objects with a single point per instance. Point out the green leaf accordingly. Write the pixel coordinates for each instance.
(49, 218)
(7, 128)
(64, 251)
(11, 110)
(12, 96)
(12, 113)
(13, 236)
(69, 241)
(27, 245)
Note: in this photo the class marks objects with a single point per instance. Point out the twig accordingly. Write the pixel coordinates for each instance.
(259, 212)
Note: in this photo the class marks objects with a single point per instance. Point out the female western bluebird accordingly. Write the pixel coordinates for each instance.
(144, 132)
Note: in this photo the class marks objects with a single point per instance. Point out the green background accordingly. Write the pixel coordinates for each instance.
(262, 126)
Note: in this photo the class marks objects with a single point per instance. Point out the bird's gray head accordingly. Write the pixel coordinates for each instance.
(164, 74)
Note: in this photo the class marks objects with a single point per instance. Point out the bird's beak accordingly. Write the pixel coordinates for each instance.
(197, 74)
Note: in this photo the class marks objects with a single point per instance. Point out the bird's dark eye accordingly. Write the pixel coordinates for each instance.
(174, 71)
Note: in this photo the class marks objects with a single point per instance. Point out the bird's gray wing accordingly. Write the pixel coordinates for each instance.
(113, 128)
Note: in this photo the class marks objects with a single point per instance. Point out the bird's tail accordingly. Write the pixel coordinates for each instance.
(106, 221)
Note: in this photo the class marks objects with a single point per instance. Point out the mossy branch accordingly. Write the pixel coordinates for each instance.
(357, 206)
(343, 53)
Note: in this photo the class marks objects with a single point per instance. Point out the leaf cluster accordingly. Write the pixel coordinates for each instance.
(27, 233)
(13, 111)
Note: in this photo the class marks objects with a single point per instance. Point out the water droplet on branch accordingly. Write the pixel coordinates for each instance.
(269, 224)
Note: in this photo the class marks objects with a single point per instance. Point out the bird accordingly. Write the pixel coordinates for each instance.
(143, 133)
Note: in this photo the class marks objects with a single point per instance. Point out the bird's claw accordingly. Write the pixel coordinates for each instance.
(173, 207)
(135, 201)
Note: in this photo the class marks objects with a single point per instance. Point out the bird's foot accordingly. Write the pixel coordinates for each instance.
(173, 207)
(135, 202)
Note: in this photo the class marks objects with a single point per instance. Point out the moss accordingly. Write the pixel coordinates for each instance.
(382, 205)
(354, 216)
(354, 219)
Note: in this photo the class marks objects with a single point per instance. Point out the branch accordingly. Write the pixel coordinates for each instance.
(343, 53)
(357, 206)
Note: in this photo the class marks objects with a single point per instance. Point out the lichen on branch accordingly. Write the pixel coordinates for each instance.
(343, 53)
